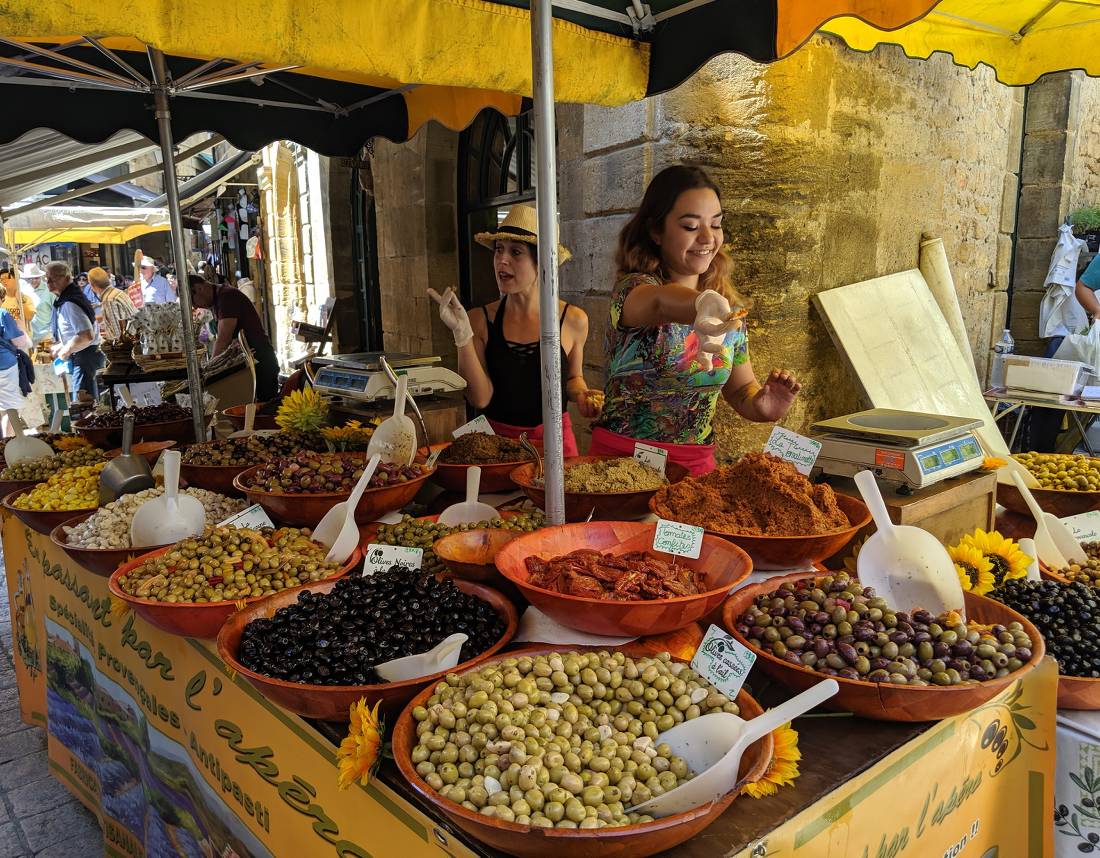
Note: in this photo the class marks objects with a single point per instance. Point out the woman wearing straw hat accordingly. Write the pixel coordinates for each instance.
(498, 348)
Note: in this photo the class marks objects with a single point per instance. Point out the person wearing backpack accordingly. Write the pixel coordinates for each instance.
(75, 336)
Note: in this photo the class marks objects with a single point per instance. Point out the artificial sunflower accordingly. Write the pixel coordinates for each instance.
(361, 750)
(1004, 554)
(974, 568)
(783, 768)
(119, 608)
(991, 463)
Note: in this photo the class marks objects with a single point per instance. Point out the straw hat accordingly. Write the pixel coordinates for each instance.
(31, 271)
(520, 224)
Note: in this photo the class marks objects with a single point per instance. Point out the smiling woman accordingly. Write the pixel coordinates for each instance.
(677, 338)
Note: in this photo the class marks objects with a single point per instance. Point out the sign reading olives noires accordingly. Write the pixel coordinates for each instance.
(379, 558)
(723, 662)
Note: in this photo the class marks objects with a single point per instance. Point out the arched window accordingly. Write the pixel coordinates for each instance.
(496, 169)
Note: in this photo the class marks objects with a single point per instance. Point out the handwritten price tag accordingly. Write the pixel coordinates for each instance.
(653, 457)
(478, 424)
(797, 449)
(723, 661)
(672, 537)
(254, 517)
(381, 557)
(1084, 527)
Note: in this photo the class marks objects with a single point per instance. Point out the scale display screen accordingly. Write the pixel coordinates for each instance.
(949, 455)
(336, 380)
(930, 462)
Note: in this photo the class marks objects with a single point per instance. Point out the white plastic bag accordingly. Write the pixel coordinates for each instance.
(1060, 313)
(1082, 347)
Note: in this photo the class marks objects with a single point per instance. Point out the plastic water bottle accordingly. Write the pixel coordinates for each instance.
(1004, 346)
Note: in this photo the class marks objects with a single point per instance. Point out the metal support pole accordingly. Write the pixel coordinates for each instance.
(179, 248)
(546, 200)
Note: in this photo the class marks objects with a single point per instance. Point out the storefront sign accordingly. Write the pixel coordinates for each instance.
(254, 517)
(673, 537)
(797, 449)
(478, 424)
(723, 662)
(379, 558)
(653, 457)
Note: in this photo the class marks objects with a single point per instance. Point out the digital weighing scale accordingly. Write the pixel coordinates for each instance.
(361, 377)
(906, 448)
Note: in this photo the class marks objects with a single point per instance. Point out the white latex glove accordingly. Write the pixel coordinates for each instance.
(712, 322)
(453, 315)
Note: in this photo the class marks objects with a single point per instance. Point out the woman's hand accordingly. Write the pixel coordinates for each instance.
(590, 403)
(775, 398)
(453, 315)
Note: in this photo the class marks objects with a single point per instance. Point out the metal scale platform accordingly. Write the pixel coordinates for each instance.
(361, 376)
(905, 448)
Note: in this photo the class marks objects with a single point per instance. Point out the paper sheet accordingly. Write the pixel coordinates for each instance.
(937, 274)
(536, 627)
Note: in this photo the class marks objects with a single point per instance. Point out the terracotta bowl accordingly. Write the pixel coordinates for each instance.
(182, 431)
(213, 478)
(201, 620)
(470, 554)
(724, 565)
(101, 561)
(632, 841)
(331, 702)
(620, 506)
(307, 510)
(42, 521)
(883, 701)
(9, 486)
(494, 478)
(793, 552)
(235, 415)
(151, 450)
(1057, 501)
(1078, 693)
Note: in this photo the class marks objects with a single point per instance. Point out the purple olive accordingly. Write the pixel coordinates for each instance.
(1023, 653)
(848, 673)
(821, 648)
(940, 650)
(962, 649)
(847, 652)
(796, 624)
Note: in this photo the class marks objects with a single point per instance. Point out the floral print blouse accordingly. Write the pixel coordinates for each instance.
(656, 388)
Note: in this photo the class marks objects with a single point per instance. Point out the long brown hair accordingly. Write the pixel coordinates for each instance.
(638, 253)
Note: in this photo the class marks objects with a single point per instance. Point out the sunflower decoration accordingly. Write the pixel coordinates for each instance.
(783, 769)
(975, 570)
(353, 436)
(361, 750)
(1004, 554)
(302, 411)
(992, 463)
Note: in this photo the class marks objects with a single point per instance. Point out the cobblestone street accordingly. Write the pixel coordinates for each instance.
(38, 816)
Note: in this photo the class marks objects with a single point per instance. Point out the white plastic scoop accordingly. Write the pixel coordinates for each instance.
(1053, 540)
(712, 747)
(1028, 547)
(443, 656)
(907, 566)
(395, 438)
(23, 448)
(170, 517)
(249, 421)
(471, 511)
(338, 529)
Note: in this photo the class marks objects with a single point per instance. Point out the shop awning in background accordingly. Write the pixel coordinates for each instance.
(83, 224)
(1021, 39)
(331, 77)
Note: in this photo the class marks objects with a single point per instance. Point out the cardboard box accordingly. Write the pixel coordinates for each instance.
(1045, 375)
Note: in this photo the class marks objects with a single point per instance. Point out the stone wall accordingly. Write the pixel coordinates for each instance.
(1085, 187)
(832, 163)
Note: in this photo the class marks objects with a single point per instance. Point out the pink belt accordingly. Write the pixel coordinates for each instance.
(569, 441)
(697, 458)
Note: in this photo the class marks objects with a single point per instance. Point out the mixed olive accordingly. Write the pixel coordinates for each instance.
(422, 533)
(164, 412)
(837, 627)
(1066, 615)
(228, 563)
(327, 473)
(1071, 473)
(561, 740)
(1087, 572)
(253, 449)
(337, 638)
(40, 469)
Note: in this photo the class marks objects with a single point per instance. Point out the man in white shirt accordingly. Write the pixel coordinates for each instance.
(155, 289)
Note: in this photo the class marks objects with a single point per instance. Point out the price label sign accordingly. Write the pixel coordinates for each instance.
(254, 517)
(1084, 527)
(672, 537)
(379, 558)
(478, 424)
(434, 457)
(653, 457)
(797, 449)
(723, 661)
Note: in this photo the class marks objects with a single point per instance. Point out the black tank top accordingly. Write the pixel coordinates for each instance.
(515, 369)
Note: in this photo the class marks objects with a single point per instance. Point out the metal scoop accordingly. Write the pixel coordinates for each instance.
(338, 529)
(172, 516)
(395, 438)
(1053, 540)
(443, 656)
(907, 566)
(126, 474)
(712, 747)
(23, 448)
(471, 511)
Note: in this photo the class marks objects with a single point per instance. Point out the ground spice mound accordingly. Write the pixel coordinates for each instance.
(480, 448)
(761, 495)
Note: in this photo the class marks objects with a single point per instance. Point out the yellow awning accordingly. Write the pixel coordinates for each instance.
(85, 225)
